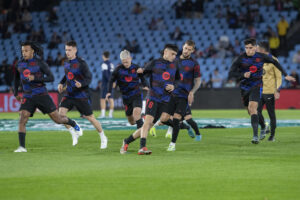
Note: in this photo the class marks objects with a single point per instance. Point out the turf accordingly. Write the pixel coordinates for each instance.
(224, 165)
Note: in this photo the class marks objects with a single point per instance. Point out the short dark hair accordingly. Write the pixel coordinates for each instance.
(250, 41)
(190, 43)
(172, 47)
(265, 45)
(71, 43)
(106, 54)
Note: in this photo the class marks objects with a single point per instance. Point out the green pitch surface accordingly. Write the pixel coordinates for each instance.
(224, 165)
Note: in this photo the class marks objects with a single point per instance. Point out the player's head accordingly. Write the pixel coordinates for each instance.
(105, 55)
(125, 58)
(263, 47)
(250, 46)
(188, 48)
(170, 52)
(71, 49)
(30, 48)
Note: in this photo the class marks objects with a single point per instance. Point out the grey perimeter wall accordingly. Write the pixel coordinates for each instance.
(204, 99)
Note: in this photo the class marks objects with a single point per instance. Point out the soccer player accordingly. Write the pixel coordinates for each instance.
(107, 69)
(129, 83)
(271, 87)
(33, 72)
(184, 92)
(77, 79)
(163, 74)
(248, 68)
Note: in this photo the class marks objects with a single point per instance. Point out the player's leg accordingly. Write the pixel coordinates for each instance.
(102, 100)
(130, 139)
(270, 103)
(27, 109)
(188, 118)
(176, 119)
(111, 107)
(148, 123)
(24, 116)
(262, 123)
(85, 108)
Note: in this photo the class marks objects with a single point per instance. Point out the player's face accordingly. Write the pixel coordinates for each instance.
(169, 55)
(71, 52)
(126, 62)
(187, 51)
(250, 49)
(261, 50)
(27, 52)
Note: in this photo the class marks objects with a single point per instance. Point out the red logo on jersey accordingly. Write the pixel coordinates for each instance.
(172, 66)
(126, 107)
(257, 59)
(32, 63)
(166, 76)
(133, 71)
(128, 78)
(253, 69)
(186, 69)
(70, 75)
(26, 72)
(23, 100)
(75, 65)
(181, 77)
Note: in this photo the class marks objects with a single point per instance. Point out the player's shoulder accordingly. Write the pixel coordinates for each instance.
(275, 58)
(81, 61)
(40, 61)
(135, 65)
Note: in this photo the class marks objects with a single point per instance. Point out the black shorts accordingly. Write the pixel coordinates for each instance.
(104, 90)
(188, 110)
(82, 105)
(254, 94)
(177, 105)
(132, 103)
(155, 109)
(43, 102)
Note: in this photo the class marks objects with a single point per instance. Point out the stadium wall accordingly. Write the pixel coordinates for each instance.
(204, 99)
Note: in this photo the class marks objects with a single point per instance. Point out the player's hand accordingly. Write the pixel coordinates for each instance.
(247, 74)
(191, 98)
(140, 71)
(107, 96)
(290, 78)
(170, 87)
(60, 88)
(277, 95)
(77, 84)
(31, 77)
(19, 98)
(145, 88)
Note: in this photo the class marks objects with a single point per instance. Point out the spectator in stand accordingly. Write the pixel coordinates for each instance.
(55, 40)
(135, 47)
(65, 37)
(210, 51)
(52, 17)
(237, 48)
(137, 8)
(217, 79)
(59, 59)
(160, 24)
(178, 9)
(187, 8)
(274, 43)
(177, 34)
(198, 8)
(268, 33)
(278, 5)
(251, 31)
(296, 57)
(152, 24)
(50, 60)
(26, 17)
(282, 28)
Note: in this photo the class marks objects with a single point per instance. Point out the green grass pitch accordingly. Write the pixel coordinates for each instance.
(224, 165)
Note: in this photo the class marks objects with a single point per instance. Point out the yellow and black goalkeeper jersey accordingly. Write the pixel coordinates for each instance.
(271, 78)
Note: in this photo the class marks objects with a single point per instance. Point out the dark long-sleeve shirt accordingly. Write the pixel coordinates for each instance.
(41, 72)
(253, 64)
(77, 70)
(161, 74)
(128, 81)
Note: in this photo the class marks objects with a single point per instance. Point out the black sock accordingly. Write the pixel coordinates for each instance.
(169, 123)
(71, 122)
(254, 123)
(142, 142)
(194, 125)
(22, 139)
(139, 123)
(129, 139)
(175, 130)
(183, 126)
(272, 131)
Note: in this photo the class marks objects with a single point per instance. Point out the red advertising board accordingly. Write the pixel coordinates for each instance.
(8, 103)
(289, 98)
